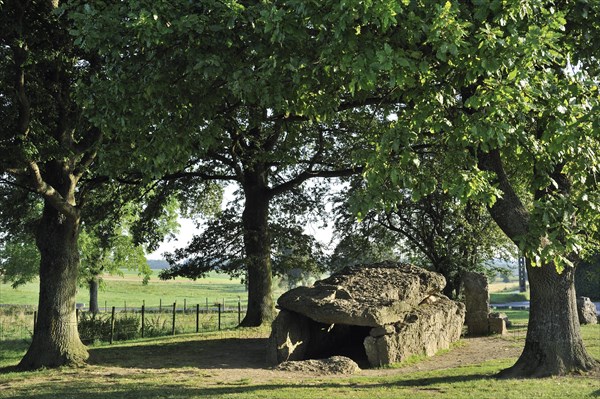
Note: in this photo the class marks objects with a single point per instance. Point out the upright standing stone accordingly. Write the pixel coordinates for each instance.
(477, 301)
(586, 310)
(497, 323)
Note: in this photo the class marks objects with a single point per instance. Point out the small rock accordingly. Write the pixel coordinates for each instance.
(382, 330)
(331, 365)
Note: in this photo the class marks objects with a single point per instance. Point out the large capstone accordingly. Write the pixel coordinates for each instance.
(375, 314)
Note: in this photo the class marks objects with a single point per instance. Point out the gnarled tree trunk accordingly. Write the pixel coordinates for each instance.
(257, 245)
(55, 338)
(553, 345)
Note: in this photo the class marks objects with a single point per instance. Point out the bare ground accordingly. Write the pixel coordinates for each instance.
(235, 359)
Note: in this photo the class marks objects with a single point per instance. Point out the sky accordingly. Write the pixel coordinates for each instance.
(188, 229)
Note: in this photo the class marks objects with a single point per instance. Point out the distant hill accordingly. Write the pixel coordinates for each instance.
(158, 264)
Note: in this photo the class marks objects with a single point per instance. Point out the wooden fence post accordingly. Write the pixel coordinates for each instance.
(143, 319)
(184, 305)
(112, 325)
(239, 312)
(173, 327)
(197, 318)
(219, 310)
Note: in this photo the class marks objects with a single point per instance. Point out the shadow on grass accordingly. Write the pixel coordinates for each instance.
(81, 390)
(205, 354)
(9, 369)
(11, 352)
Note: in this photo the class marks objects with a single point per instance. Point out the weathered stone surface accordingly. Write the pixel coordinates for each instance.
(372, 295)
(377, 314)
(331, 365)
(586, 310)
(289, 338)
(497, 323)
(425, 330)
(477, 301)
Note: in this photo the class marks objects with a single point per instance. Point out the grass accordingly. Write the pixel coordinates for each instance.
(415, 359)
(219, 365)
(128, 291)
(506, 297)
(190, 367)
(507, 292)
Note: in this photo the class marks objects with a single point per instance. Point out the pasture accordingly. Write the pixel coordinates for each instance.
(128, 290)
(128, 294)
(231, 364)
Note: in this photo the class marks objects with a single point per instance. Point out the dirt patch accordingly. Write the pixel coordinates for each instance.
(233, 359)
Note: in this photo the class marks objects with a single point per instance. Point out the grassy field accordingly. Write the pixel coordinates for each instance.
(128, 292)
(507, 292)
(193, 366)
(128, 289)
(230, 364)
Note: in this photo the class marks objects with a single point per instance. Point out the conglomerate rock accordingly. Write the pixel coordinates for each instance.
(586, 310)
(379, 313)
(477, 301)
(369, 295)
(330, 365)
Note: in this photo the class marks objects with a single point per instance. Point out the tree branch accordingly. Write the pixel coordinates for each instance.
(309, 174)
(50, 194)
(508, 211)
(201, 175)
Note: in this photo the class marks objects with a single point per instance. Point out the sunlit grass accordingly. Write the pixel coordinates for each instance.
(128, 291)
(189, 366)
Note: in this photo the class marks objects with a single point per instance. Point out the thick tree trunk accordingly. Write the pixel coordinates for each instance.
(257, 245)
(452, 288)
(553, 345)
(55, 338)
(93, 286)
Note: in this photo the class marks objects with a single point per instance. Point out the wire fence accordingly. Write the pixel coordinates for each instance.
(126, 323)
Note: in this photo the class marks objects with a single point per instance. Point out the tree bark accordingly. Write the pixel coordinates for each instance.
(257, 245)
(93, 286)
(55, 337)
(553, 345)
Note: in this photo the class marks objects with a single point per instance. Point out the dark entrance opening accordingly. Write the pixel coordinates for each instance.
(338, 340)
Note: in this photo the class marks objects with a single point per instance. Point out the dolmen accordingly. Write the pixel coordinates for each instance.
(375, 314)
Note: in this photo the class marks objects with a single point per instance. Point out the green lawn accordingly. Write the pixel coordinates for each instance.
(506, 297)
(217, 365)
(192, 366)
